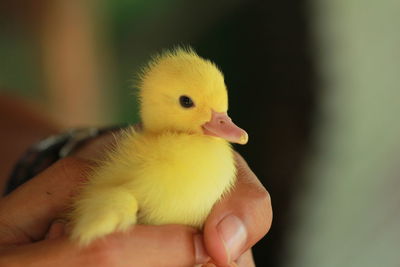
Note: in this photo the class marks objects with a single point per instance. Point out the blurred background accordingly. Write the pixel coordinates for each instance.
(315, 83)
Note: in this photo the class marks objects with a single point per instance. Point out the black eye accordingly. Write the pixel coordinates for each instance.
(186, 101)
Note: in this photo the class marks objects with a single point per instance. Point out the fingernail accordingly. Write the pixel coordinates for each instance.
(199, 250)
(233, 233)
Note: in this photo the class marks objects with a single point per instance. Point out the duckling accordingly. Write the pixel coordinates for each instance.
(178, 166)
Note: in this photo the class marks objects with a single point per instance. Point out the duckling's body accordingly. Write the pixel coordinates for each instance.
(170, 172)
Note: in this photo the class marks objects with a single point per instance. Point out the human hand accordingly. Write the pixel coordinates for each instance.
(27, 213)
(239, 220)
(25, 216)
(236, 222)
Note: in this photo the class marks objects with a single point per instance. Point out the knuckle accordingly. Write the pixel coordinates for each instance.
(266, 210)
(261, 199)
(102, 254)
(265, 198)
(183, 237)
(261, 208)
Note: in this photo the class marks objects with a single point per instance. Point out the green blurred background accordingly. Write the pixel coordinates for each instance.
(315, 83)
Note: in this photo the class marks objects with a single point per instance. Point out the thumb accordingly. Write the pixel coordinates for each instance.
(27, 212)
(240, 219)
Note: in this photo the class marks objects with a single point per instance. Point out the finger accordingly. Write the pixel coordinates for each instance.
(56, 230)
(168, 245)
(26, 213)
(246, 259)
(239, 220)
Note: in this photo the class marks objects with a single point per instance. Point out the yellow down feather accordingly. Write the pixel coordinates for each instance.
(170, 172)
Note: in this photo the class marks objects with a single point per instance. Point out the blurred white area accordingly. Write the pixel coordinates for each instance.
(348, 213)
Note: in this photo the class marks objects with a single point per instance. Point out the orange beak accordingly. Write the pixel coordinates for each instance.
(221, 125)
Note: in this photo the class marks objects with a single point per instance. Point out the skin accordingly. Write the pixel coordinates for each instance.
(32, 233)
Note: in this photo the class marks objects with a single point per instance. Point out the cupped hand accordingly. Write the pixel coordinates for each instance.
(235, 224)
(28, 212)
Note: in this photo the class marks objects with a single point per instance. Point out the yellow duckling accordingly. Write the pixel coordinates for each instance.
(178, 166)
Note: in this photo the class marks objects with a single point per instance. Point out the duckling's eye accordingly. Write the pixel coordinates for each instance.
(186, 101)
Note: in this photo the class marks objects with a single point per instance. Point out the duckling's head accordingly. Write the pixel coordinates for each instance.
(180, 91)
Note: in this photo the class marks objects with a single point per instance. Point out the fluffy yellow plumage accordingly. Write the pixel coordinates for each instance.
(178, 166)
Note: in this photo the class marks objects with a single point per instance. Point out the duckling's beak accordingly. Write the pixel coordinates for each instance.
(221, 125)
